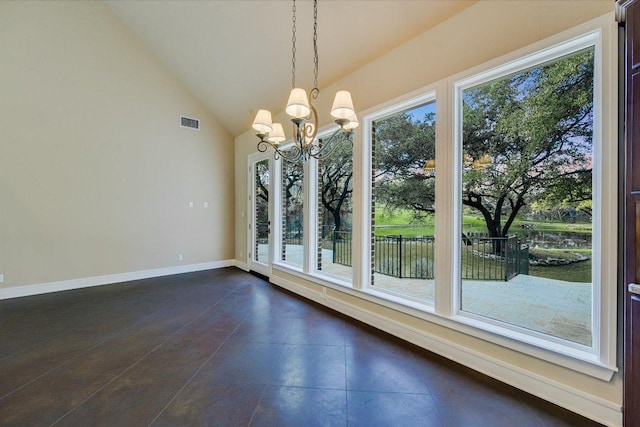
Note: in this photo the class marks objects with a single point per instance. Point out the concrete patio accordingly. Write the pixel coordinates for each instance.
(553, 307)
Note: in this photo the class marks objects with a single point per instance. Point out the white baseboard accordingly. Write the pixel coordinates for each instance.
(241, 265)
(593, 407)
(65, 285)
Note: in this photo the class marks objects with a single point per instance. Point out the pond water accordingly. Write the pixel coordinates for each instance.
(545, 239)
(555, 240)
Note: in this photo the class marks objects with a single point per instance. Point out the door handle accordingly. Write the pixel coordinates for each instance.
(634, 288)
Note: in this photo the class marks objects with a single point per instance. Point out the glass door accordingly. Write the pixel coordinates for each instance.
(259, 214)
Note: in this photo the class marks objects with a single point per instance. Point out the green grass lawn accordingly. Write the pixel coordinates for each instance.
(576, 272)
(402, 222)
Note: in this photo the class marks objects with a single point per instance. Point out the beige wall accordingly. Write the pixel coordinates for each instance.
(95, 172)
(479, 34)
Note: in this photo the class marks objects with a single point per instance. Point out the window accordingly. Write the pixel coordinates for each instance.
(261, 206)
(335, 209)
(403, 201)
(292, 205)
(521, 250)
(526, 252)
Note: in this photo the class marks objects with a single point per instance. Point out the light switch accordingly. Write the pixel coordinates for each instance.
(190, 204)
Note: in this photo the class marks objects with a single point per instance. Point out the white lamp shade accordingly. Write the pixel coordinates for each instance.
(262, 122)
(353, 123)
(342, 105)
(277, 134)
(298, 104)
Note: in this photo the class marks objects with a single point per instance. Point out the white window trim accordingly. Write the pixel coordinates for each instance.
(263, 267)
(277, 217)
(311, 211)
(602, 326)
(599, 360)
(407, 102)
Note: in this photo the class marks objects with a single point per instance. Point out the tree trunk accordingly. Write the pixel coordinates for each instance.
(337, 220)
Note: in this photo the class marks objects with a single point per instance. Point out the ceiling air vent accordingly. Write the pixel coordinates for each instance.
(188, 122)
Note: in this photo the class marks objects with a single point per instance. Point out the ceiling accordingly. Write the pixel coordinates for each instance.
(235, 55)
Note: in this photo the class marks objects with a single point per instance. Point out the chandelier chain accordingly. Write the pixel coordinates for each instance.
(304, 145)
(315, 43)
(293, 46)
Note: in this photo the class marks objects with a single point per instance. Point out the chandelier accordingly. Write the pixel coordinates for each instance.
(304, 117)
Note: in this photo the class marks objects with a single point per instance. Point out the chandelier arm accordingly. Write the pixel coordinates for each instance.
(331, 144)
(289, 158)
(263, 145)
(292, 154)
(311, 129)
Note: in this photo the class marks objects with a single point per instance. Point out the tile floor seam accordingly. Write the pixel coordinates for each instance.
(255, 410)
(346, 392)
(412, 393)
(135, 363)
(54, 337)
(84, 324)
(536, 415)
(196, 372)
(110, 337)
(303, 387)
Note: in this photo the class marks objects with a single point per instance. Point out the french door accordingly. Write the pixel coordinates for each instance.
(259, 213)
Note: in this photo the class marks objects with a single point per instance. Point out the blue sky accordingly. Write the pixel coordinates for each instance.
(419, 112)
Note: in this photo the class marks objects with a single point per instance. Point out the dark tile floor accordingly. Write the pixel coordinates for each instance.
(223, 347)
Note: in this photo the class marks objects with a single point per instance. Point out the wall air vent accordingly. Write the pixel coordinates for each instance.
(188, 122)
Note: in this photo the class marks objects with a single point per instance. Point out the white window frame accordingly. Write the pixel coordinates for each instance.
(312, 214)
(599, 361)
(308, 269)
(277, 220)
(601, 325)
(421, 97)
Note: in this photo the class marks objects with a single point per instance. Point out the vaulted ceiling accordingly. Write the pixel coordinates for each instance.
(235, 55)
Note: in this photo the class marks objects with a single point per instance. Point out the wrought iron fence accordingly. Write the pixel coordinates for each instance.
(341, 245)
(292, 238)
(483, 258)
(494, 258)
(404, 257)
(262, 232)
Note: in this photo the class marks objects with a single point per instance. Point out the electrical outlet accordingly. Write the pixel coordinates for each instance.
(206, 204)
(180, 257)
(190, 204)
(1, 278)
